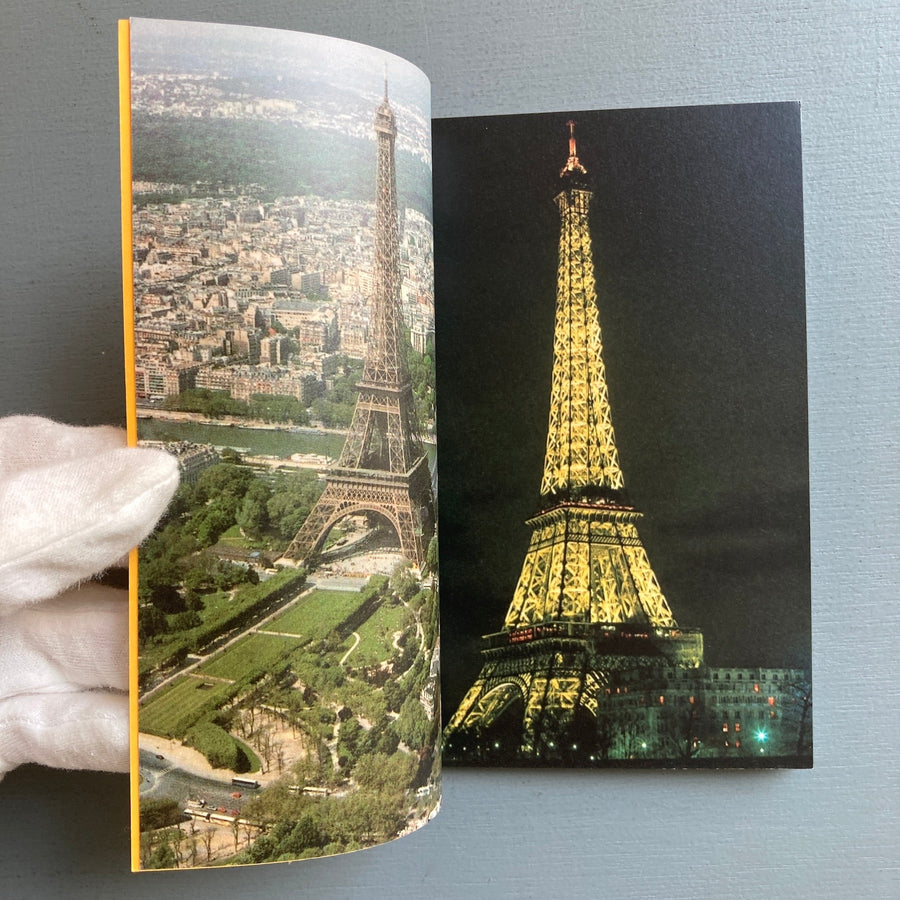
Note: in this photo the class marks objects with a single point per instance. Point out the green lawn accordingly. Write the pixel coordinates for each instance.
(250, 656)
(233, 538)
(377, 636)
(220, 611)
(171, 712)
(179, 706)
(318, 614)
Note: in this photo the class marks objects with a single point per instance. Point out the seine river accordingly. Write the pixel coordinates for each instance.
(256, 441)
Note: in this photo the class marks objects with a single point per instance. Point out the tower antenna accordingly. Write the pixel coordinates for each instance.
(572, 163)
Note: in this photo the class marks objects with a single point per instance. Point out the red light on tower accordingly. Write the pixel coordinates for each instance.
(572, 164)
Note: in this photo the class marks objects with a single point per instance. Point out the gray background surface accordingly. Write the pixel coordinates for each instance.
(830, 832)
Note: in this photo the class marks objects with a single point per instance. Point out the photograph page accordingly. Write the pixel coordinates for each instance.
(625, 557)
(280, 344)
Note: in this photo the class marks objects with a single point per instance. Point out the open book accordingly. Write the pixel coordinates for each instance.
(281, 240)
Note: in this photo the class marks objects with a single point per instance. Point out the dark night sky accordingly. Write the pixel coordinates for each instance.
(698, 250)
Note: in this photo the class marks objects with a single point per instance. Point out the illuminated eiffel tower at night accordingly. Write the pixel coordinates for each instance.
(383, 468)
(587, 606)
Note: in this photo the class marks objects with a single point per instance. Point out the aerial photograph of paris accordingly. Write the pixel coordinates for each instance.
(287, 667)
(625, 558)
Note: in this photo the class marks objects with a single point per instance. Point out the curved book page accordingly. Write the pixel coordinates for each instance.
(280, 318)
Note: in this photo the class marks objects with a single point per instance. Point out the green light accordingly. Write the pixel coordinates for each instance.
(761, 736)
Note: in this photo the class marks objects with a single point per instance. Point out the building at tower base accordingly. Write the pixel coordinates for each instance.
(650, 712)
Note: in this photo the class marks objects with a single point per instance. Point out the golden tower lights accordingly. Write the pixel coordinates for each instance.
(587, 600)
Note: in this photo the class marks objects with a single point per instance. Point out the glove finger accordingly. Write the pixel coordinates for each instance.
(30, 442)
(80, 730)
(61, 523)
(76, 640)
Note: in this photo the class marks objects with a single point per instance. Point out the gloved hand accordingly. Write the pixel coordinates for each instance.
(73, 502)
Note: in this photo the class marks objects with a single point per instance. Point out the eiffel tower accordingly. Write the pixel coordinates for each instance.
(587, 602)
(383, 468)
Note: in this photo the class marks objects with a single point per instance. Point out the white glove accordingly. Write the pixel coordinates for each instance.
(73, 502)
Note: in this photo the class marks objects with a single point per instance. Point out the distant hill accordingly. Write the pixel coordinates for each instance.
(288, 159)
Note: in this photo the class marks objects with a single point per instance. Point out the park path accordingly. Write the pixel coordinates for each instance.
(355, 645)
(308, 588)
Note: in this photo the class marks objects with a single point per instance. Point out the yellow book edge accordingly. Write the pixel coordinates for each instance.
(131, 415)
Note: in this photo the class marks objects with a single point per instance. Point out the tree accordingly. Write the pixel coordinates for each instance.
(429, 617)
(625, 736)
(348, 744)
(207, 838)
(403, 582)
(223, 480)
(413, 725)
(210, 403)
(422, 375)
(799, 713)
(212, 521)
(303, 835)
(382, 773)
(331, 414)
(265, 745)
(184, 621)
(163, 857)
(278, 408)
(192, 845)
(157, 580)
(388, 741)
(151, 622)
(431, 558)
(368, 816)
(218, 746)
(263, 848)
(253, 515)
(181, 503)
(158, 813)
(171, 542)
(681, 738)
(394, 695)
(293, 496)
